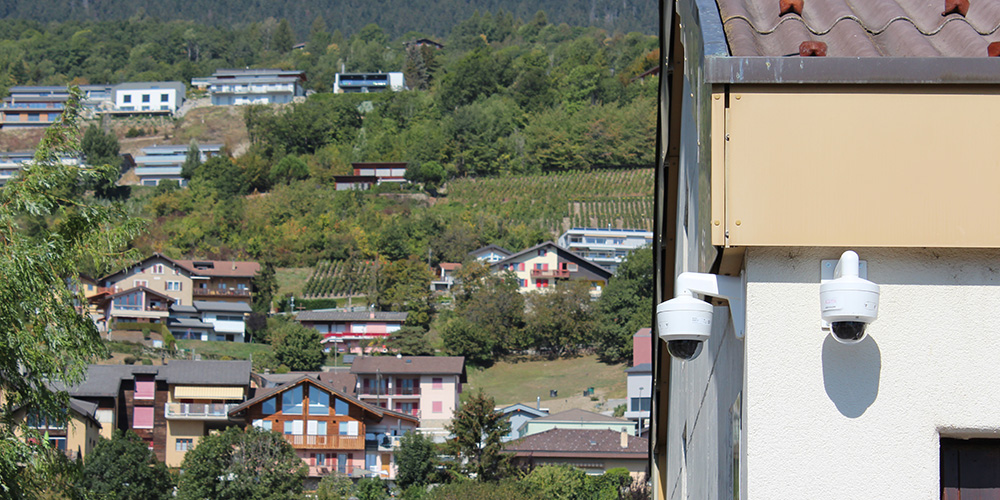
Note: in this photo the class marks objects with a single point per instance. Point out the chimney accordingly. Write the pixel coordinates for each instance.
(371, 315)
(538, 402)
(624, 439)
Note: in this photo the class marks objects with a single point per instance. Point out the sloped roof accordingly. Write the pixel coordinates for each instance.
(415, 365)
(345, 381)
(219, 268)
(579, 443)
(215, 305)
(145, 289)
(525, 408)
(208, 372)
(578, 415)
(562, 252)
(877, 28)
(496, 248)
(351, 316)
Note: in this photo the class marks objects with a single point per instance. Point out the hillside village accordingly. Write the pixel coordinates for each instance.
(352, 276)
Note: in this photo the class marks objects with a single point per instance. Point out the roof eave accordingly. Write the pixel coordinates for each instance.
(851, 70)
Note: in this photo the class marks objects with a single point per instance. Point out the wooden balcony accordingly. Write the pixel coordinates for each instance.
(217, 292)
(553, 273)
(334, 442)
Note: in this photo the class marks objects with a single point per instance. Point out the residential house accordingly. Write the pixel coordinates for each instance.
(348, 83)
(423, 42)
(171, 407)
(543, 265)
(593, 451)
(575, 419)
(444, 276)
(368, 174)
(427, 387)
(330, 431)
(147, 98)
(517, 415)
(774, 160)
(201, 299)
(75, 433)
(639, 378)
(491, 253)
(159, 163)
(605, 247)
(234, 87)
(27, 106)
(12, 162)
(353, 331)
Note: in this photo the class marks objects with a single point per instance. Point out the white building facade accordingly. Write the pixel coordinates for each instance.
(147, 97)
(606, 247)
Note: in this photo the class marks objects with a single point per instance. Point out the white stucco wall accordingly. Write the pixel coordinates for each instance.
(826, 420)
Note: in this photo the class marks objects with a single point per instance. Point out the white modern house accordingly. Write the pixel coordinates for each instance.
(606, 247)
(796, 142)
(209, 321)
(12, 162)
(159, 163)
(147, 97)
(234, 87)
(345, 83)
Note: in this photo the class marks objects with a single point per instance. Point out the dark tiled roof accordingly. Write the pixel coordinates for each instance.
(351, 316)
(579, 443)
(212, 305)
(870, 28)
(643, 368)
(208, 372)
(577, 415)
(344, 381)
(416, 365)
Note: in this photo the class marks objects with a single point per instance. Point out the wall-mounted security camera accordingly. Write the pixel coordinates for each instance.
(685, 321)
(849, 303)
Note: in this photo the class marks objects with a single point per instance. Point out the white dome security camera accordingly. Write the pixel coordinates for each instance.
(848, 302)
(685, 322)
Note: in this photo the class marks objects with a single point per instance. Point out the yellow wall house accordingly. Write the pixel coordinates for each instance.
(75, 435)
(545, 265)
(828, 239)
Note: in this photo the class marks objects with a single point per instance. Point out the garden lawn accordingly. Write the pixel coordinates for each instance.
(235, 350)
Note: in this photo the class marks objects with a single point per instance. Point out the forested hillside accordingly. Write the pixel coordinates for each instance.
(428, 16)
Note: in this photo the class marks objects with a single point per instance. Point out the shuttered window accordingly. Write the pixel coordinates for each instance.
(142, 417)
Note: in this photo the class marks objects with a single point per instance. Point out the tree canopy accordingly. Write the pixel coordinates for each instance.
(124, 468)
(478, 430)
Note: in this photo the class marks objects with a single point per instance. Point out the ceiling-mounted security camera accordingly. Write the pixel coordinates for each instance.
(849, 303)
(685, 322)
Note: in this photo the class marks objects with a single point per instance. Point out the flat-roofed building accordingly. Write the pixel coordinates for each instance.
(234, 87)
(347, 83)
(159, 163)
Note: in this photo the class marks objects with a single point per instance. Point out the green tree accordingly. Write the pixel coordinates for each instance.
(478, 428)
(124, 468)
(298, 347)
(411, 341)
(561, 321)
(99, 148)
(430, 173)
(415, 460)
(406, 287)
(264, 286)
(372, 488)
(493, 305)
(319, 38)
(480, 73)
(283, 37)
(222, 175)
(240, 464)
(192, 160)
(48, 235)
(462, 338)
(625, 306)
(288, 169)
(335, 486)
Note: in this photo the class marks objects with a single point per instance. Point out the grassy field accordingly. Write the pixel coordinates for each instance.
(522, 382)
(235, 350)
(292, 279)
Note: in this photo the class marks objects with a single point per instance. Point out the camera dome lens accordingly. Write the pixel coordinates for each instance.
(684, 349)
(849, 332)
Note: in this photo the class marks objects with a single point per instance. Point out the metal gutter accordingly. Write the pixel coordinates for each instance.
(851, 70)
(713, 35)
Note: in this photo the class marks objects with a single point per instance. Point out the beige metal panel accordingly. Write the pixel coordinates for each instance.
(886, 166)
(199, 392)
(718, 165)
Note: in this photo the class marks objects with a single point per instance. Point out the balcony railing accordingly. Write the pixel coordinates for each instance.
(218, 292)
(334, 442)
(371, 392)
(406, 391)
(198, 411)
(555, 273)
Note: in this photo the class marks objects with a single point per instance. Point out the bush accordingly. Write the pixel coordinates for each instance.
(169, 341)
(135, 132)
(147, 362)
(143, 327)
(619, 411)
(130, 360)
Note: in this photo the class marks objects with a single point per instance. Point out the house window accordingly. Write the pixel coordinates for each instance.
(263, 424)
(158, 269)
(268, 406)
(520, 266)
(126, 98)
(968, 468)
(142, 417)
(222, 286)
(291, 401)
(184, 444)
(164, 97)
(58, 442)
(293, 427)
(436, 407)
(522, 282)
(319, 402)
(641, 404)
(543, 252)
(145, 388)
(140, 283)
(437, 383)
(542, 283)
(145, 97)
(173, 286)
(340, 407)
(321, 458)
(316, 428)
(349, 428)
